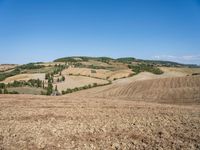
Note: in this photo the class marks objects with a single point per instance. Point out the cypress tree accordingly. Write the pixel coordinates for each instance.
(63, 78)
(49, 88)
(43, 84)
(56, 88)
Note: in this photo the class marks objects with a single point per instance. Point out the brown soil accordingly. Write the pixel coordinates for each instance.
(142, 112)
(39, 122)
(162, 90)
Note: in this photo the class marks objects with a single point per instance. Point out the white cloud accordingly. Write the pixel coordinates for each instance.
(182, 59)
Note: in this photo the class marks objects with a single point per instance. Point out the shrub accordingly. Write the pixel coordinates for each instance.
(93, 71)
(56, 88)
(47, 76)
(75, 89)
(127, 60)
(31, 66)
(63, 78)
(3, 76)
(89, 86)
(2, 85)
(145, 67)
(13, 92)
(49, 88)
(5, 91)
(1, 91)
(95, 85)
(69, 91)
(43, 93)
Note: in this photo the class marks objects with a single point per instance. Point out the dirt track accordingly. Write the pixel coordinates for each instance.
(37, 122)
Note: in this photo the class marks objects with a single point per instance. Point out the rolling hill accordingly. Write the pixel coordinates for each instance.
(163, 90)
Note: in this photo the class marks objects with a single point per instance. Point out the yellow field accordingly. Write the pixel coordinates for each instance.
(25, 77)
(99, 73)
(77, 81)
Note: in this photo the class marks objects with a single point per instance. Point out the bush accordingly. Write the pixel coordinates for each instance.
(63, 78)
(13, 92)
(69, 91)
(63, 92)
(2, 85)
(43, 93)
(5, 91)
(47, 76)
(93, 71)
(56, 88)
(3, 76)
(127, 60)
(1, 91)
(31, 66)
(145, 67)
(83, 87)
(49, 88)
(95, 85)
(89, 86)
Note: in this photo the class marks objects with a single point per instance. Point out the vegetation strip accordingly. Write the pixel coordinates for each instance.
(83, 88)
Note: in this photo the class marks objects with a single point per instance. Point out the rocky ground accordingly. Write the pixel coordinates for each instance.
(70, 122)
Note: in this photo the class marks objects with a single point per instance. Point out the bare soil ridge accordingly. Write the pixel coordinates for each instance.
(163, 90)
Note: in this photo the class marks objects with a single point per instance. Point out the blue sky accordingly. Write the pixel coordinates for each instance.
(43, 30)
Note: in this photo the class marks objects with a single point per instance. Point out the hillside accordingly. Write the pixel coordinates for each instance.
(162, 90)
(64, 73)
(100, 103)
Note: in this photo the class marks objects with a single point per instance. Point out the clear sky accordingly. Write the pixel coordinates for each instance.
(43, 30)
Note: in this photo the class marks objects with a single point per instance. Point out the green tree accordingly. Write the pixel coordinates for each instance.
(63, 78)
(2, 85)
(56, 88)
(47, 76)
(43, 84)
(39, 83)
(5, 91)
(49, 88)
(1, 91)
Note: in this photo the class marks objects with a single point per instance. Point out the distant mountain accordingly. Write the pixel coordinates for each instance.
(127, 60)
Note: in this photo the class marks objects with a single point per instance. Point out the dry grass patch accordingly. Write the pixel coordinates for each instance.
(77, 81)
(5, 67)
(25, 77)
(98, 73)
(174, 71)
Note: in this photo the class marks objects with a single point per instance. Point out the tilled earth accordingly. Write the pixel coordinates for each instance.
(39, 122)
